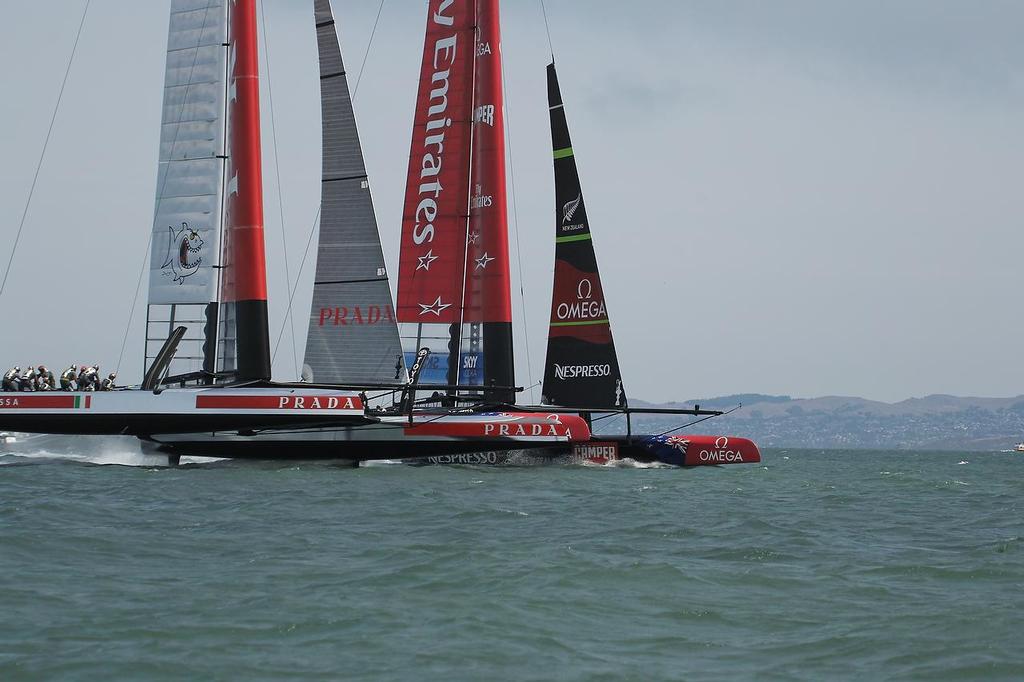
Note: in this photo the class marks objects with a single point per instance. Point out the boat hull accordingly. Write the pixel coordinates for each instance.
(299, 447)
(287, 423)
(681, 451)
(142, 413)
(390, 436)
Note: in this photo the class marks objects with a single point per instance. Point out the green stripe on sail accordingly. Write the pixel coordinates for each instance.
(579, 324)
(573, 238)
(563, 153)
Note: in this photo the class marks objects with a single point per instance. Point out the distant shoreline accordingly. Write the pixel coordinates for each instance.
(936, 422)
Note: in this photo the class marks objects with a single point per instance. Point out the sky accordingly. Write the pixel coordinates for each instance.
(800, 197)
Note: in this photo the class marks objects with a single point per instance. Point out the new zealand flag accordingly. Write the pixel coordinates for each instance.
(667, 449)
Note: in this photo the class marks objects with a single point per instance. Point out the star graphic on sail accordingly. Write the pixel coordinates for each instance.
(426, 260)
(483, 261)
(436, 307)
(474, 238)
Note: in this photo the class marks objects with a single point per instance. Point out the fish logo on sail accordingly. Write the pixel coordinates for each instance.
(569, 210)
(184, 250)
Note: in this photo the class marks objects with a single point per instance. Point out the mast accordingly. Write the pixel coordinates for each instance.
(488, 298)
(581, 369)
(246, 335)
(353, 334)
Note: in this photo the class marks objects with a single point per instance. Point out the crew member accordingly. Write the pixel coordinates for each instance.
(108, 383)
(12, 379)
(89, 379)
(45, 380)
(28, 379)
(69, 379)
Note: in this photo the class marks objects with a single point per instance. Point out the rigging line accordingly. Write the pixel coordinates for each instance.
(131, 314)
(515, 222)
(46, 143)
(291, 297)
(289, 318)
(694, 423)
(160, 197)
(366, 55)
(547, 27)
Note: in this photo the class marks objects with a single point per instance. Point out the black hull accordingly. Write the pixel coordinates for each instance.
(370, 450)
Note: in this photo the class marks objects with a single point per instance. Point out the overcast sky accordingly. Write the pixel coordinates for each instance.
(799, 197)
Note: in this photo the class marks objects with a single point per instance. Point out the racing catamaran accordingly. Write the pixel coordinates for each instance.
(581, 370)
(208, 293)
(208, 388)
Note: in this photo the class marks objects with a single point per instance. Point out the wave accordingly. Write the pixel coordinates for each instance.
(96, 450)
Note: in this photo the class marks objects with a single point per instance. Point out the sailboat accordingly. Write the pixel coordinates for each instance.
(208, 279)
(581, 369)
(207, 389)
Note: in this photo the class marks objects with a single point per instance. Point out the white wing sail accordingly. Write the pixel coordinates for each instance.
(188, 215)
(187, 220)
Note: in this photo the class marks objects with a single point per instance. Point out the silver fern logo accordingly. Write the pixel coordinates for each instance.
(569, 210)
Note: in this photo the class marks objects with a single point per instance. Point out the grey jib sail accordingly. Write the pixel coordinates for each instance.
(353, 335)
(581, 369)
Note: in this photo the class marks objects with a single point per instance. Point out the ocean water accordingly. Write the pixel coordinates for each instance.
(815, 565)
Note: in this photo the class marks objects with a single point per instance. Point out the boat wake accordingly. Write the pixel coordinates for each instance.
(118, 458)
(627, 463)
(96, 450)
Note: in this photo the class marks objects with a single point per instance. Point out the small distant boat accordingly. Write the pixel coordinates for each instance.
(1019, 447)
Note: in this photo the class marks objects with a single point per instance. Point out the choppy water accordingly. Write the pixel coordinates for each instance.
(817, 565)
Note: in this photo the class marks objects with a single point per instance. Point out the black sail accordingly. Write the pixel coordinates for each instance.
(353, 332)
(581, 369)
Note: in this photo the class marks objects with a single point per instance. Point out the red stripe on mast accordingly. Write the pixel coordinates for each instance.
(488, 283)
(244, 274)
(244, 261)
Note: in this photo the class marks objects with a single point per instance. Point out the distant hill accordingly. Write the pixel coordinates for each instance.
(727, 401)
(942, 422)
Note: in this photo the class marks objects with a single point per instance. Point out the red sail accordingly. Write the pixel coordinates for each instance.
(488, 285)
(432, 263)
(244, 278)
